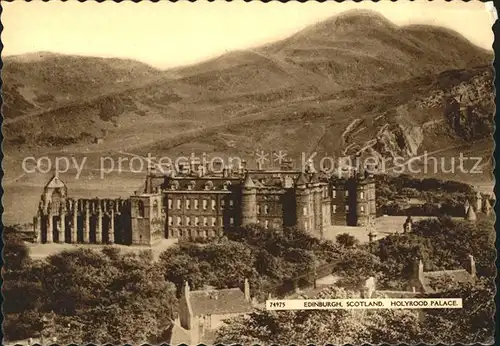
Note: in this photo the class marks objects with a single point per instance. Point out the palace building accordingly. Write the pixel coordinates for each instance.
(197, 204)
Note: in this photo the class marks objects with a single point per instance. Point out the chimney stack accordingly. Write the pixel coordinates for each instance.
(181, 169)
(487, 206)
(479, 202)
(368, 288)
(418, 270)
(466, 207)
(247, 290)
(241, 167)
(201, 171)
(470, 266)
(192, 165)
(186, 290)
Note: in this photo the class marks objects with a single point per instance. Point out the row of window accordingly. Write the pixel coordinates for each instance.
(334, 208)
(196, 221)
(195, 204)
(181, 233)
(325, 193)
(213, 205)
(266, 209)
(265, 223)
(346, 194)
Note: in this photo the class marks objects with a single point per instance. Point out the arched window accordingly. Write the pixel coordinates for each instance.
(56, 195)
(140, 208)
(155, 209)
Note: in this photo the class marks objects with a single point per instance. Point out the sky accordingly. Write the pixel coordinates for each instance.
(166, 34)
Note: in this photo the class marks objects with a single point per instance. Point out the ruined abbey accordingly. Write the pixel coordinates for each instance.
(201, 204)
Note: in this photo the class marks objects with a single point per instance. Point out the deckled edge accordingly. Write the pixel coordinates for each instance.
(1, 163)
(490, 6)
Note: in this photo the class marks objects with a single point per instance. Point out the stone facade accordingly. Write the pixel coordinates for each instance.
(61, 219)
(198, 205)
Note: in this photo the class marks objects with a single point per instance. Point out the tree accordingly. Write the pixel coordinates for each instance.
(355, 266)
(271, 259)
(94, 296)
(347, 240)
(322, 327)
(15, 252)
(441, 244)
(393, 326)
(471, 324)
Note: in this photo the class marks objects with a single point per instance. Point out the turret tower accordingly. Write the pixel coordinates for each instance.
(471, 215)
(248, 202)
(302, 203)
(466, 206)
(487, 206)
(479, 202)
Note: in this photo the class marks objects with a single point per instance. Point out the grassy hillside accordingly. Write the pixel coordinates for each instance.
(355, 84)
(37, 82)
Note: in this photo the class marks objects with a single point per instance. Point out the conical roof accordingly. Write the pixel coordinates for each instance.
(314, 178)
(466, 206)
(301, 180)
(248, 183)
(471, 215)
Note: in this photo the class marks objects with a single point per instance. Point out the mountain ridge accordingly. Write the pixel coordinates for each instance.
(312, 80)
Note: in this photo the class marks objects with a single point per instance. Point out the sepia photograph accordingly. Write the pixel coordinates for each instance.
(248, 172)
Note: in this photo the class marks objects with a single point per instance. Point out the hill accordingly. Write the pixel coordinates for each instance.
(362, 47)
(353, 84)
(37, 82)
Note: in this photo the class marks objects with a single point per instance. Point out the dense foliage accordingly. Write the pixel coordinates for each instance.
(85, 296)
(441, 243)
(102, 296)
(471, 324)
(274, 261)
(322, 327)
(437, 197)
